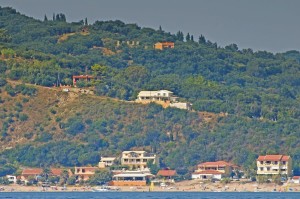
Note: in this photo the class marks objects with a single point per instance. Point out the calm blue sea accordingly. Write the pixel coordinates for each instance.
(146, 195)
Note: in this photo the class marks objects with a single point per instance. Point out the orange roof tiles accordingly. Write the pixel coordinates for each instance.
(273, 158)
(218, 163)
(32, 171)
(296, 177)
(285, 158)
(39, 171)
(166, 172)
(56, 172)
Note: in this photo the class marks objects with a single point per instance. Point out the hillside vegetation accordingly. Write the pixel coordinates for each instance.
(259, 91)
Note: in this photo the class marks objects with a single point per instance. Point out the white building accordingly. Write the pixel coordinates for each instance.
(274, 165)
(106, 162)
(138, 159)
(12, 178)
(161, 95)
(296, 179)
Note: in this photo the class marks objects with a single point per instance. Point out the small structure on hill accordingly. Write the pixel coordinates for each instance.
(163, 45)
(82, 77)
(162, 97)
(128, 43)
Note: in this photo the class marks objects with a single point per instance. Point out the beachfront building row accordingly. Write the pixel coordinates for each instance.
(134, 160)
(274, 165)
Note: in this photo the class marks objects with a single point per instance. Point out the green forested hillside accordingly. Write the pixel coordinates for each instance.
(259, 91)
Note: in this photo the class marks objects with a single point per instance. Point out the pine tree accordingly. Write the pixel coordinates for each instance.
(53, 17)
(160, 29)
(85, 22)
(45, 18)
(192, 38)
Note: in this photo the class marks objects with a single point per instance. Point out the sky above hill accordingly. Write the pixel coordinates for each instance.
(271, 25)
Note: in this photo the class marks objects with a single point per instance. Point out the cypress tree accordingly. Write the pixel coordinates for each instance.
(188, 37)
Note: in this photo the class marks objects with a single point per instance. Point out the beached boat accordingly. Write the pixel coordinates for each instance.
(104, 189)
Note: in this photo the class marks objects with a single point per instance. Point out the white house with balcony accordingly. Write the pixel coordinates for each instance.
(274, 165)
(138, 159)
(161, 95)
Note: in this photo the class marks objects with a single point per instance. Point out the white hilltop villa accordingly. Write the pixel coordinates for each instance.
(162, 97)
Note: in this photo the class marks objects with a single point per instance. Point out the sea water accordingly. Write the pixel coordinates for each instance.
(147, 195)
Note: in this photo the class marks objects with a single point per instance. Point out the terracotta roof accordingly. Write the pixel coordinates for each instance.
(32, 171)
(213, 172)
(273, 158)
(56, 172)
(166, 172)
(218, 163)
(285, 158)
(39, 171)
(296, 177)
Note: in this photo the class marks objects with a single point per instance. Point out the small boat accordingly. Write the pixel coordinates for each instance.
(104, 189)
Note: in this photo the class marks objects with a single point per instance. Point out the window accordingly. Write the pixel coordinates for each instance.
(261, 162)
(268, 168)
(261, 168)
(276, 163)
(283, 162)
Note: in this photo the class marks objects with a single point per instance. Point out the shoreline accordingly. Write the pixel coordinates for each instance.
(185, 186)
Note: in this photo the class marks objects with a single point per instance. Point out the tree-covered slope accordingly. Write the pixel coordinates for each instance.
(259, 91)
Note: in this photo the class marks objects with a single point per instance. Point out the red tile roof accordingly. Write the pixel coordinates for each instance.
(296, 177)
(32, 171)
(273, 158)
(39, 171)
(213, 172)
(285, 158)
(56, 172)
(215, 164)
(166, 172)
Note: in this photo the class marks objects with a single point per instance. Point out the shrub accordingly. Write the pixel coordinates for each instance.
(23, 117)
(44, 137)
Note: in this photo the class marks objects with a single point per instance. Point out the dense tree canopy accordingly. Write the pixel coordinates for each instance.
(259, 91)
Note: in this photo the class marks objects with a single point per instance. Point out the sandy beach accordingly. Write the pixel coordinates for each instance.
(191, 185)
